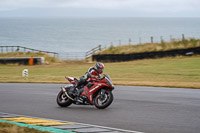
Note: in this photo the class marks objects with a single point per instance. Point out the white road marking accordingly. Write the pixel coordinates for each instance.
(111, 128)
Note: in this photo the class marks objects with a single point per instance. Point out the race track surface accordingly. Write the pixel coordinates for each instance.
(144, 109)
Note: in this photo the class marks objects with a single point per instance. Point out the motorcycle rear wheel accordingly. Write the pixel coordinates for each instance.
(63, 100)
(103, 103)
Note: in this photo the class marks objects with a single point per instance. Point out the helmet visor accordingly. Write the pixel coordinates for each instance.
(101, 70)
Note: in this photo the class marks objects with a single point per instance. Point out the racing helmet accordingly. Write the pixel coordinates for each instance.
(99, 67)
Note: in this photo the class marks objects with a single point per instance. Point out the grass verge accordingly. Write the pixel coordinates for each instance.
(167, 72)
(12, 128)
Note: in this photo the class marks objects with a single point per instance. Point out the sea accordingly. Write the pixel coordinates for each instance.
(73, 37)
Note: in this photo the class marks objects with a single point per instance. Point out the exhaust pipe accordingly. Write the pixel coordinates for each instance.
(63, 89)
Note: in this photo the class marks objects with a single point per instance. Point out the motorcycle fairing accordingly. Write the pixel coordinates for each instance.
(89, 92)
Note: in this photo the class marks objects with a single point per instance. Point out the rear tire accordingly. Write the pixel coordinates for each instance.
(63, 100)
(103, 103)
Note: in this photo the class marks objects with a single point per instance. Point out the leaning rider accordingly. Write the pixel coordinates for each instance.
(93, 74)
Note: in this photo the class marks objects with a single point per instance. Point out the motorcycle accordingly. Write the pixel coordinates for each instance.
(98, 93)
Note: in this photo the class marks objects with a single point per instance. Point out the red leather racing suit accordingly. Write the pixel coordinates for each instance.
(91, 75)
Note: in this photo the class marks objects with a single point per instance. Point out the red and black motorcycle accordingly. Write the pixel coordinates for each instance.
(98, 93)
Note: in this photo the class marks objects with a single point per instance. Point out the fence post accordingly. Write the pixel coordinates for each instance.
(1, 49)
(140, 40)
(183, 37)
(17, 48)
(129, 41)
(151, 39)
(119, 42)
(170, 38)
(161, 39)
(100, 47)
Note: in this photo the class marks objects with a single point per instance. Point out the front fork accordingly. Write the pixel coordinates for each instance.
(102, 94)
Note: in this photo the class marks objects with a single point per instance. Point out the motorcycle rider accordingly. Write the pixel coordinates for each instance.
(93, 74)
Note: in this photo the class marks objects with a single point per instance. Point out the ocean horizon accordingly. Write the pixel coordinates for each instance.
(72, 37)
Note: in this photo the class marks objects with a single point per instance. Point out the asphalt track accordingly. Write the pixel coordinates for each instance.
(143, 109)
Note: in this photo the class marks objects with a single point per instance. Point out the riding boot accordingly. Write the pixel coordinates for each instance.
(80, 91)
(71, 90)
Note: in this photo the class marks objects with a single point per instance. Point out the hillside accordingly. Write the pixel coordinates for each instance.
(148, 47)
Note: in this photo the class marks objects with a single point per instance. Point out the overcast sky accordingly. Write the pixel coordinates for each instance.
(99, 8)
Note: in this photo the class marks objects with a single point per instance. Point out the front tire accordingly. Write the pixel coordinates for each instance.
(103, 103)
(63, 100)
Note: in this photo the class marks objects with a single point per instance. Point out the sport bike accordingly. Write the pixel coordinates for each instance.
(98, 93)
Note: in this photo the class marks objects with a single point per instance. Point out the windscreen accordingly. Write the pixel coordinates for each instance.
(108, 80)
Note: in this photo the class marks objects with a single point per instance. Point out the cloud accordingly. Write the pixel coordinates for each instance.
(18, 4)
(148, 6)
(109, 4)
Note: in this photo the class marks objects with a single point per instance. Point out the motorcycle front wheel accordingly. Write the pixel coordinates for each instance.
(102, 103)
(63, 100)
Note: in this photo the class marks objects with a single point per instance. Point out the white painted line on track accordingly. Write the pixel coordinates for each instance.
(104, 127)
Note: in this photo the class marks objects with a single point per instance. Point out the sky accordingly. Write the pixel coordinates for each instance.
(99, 8)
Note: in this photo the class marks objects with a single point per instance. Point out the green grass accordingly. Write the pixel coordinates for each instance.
(12, 128)
(169, 72)
(148, 47)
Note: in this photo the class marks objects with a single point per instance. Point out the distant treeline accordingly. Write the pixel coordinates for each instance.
(146, 55)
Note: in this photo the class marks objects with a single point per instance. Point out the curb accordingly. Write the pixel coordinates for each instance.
(57, 126)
